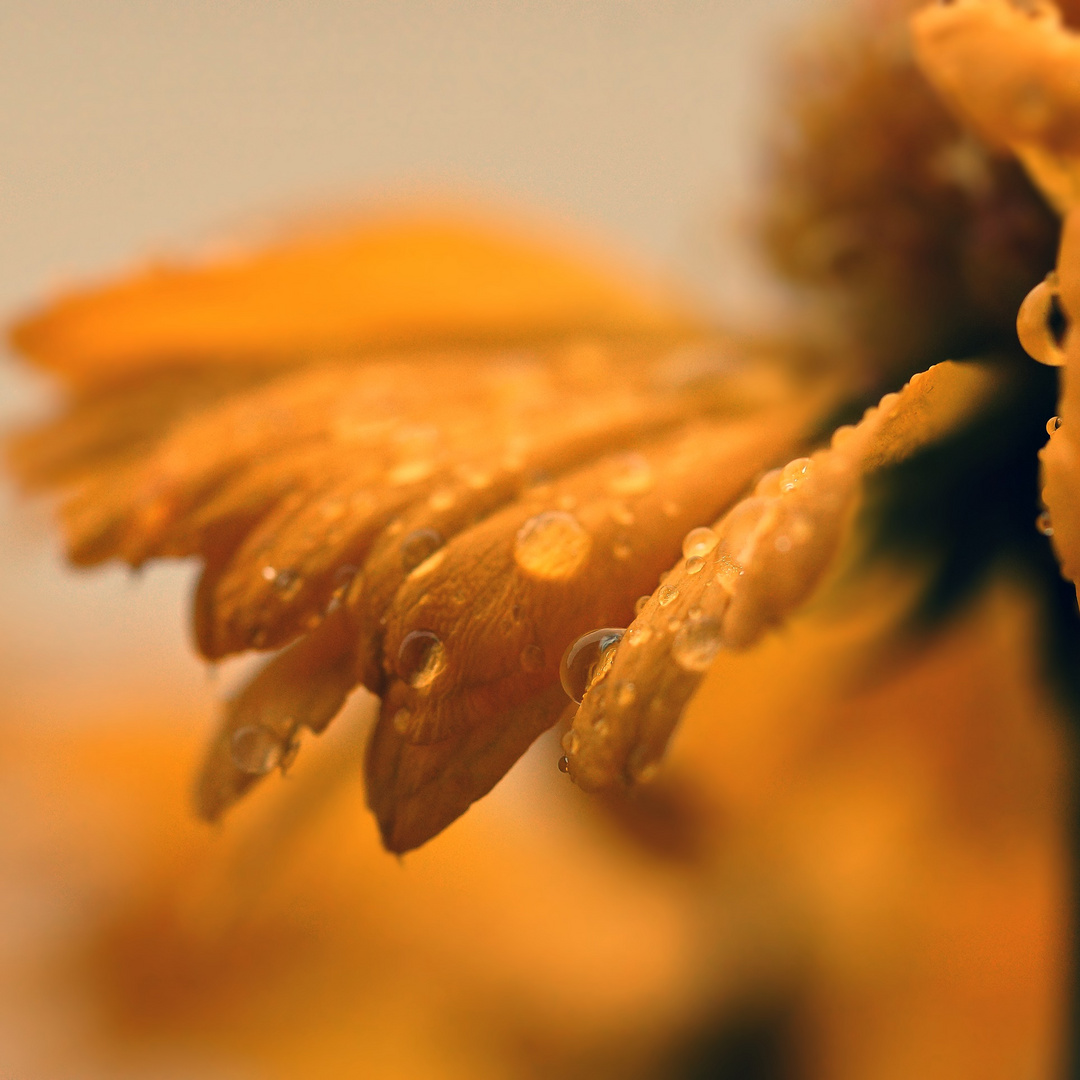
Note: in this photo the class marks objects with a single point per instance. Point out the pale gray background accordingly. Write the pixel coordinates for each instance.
(126, 128)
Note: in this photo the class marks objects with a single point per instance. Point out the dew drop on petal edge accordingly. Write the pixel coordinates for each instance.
(564, 764)
(1044, 524)
(584, 659)
(699, 542)
(419, 545)
(696, 645)
(666, 594)
(254, 749)
(421, 658)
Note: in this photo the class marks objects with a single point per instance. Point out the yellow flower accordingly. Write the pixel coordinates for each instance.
(502, 484)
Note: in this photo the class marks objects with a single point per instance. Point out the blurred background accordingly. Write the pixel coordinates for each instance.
(541, 935)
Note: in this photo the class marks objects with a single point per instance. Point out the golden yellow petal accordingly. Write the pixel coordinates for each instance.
(1013, 71)
(762, 560)
(417, 279)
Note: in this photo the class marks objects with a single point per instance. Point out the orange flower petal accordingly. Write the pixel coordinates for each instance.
(419, 278)
(477, 632)
(761, 561)
(1011, 70)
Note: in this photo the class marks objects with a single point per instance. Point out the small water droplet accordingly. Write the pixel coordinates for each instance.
(621, 513)
(842, 436)
(419, 545)
(640, 603)
(694, 613)
(1053, 424)
(287, 583)
(421, 658)
(637, 635)
(696, 645)
(402, 721)
(782, 544)
(532, 658)
(699, 542)
(442, 499)
(1043, 524)
(1041, 323)
(552, 545)
(665, 594)
(254, 749)
(410, 472)
(621, 550)
(564, 764)
(587, 659)
(626, 694)
(794, 473)
(694, 564)
(634, 475)
(269, 573)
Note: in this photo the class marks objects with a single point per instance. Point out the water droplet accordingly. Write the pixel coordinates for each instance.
(289, 754)
(269, 573)
(666, 594)
(842, 436)
(622, 513)
(673, 624)
(429, 564)
(410, 472)
(699, 542)
(1044, 524)
(532, 658)
(738, 535)
(564, 764)
(552, 546)
(694, 564)
(694, 613)
(473, 476)
(254, 749)
(621, 550)
(794, 473)
(419, 545)
(442, 499)
(421, 658)
(634, 475)
(696, 645)
(626, 694)
(587, 659)
(287, 583)
(782, 544)
(402, 721)
(1041, 323)
(637, 635)
(1053, 424)
(769, 484)
(640, 603)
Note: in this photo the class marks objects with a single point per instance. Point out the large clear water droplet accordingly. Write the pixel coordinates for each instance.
(421, 658)
(419, 545)
(1041, 323)
(699, 542)
(552, 546)
(587, 659)
(794, 473)
(254, 749)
